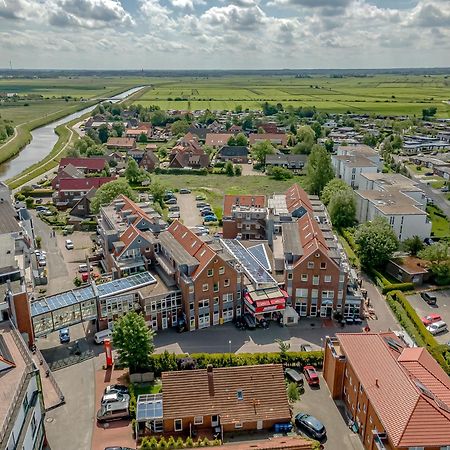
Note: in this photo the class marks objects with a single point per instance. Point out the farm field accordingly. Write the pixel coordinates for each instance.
(380, 94)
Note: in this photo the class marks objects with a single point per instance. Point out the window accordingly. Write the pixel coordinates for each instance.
(221, 270)
(240, 394)
(327, 279)
(304, 277)
(216, 287)
(361, 388)
(216, 300)
(316, 280)
(310, 265)
(33, 425)
(364, 408)
(227, 298)
(370, 419)
(178, 425)
(203, 303)
(289, 276)
(226, 283)
(341, 278)
(205, 287)
(198, 420)
(416, 448)
(446, 447)
(323, 265)
(238, 425)
(210, 272)
(25, 404)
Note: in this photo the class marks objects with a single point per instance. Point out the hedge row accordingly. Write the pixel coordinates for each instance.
(387, 286)
(201, 172)
(169, 361)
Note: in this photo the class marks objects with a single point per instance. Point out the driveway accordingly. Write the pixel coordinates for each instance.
(442, 308)
(189, 212)
(318, 403)
(247, 170)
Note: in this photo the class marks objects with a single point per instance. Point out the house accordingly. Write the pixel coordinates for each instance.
(216, 140)
(408, 270)
(120, 143)
(188, 159)
(292, 162)
(277, 139)
(149, 161)
(82, 207)
(198, 130)
(71, 190)
(235, 129)
(234, 153)
(398, 397)
(247, 398)
(69, 171)
(151, 147)
(244, 216)
(85, 165)
(269, 127)
(210, 286)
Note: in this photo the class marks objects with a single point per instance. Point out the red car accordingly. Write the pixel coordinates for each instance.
(431, 318)
(311, 375)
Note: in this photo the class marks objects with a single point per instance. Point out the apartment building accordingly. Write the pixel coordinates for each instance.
(350, 167)
(244, 216)
(398, 397)
(210, 286)
(21, 405)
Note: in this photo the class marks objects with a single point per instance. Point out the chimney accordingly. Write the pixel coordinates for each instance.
(376, 382)
(209, 371)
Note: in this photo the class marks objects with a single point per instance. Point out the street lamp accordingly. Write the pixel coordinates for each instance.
(229, 346)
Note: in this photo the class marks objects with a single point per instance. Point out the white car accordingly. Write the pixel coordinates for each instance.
(42, 262)
(69, 244)
(437, 327)
(114, 398)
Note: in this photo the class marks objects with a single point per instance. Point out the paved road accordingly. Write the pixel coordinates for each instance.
(188, 210)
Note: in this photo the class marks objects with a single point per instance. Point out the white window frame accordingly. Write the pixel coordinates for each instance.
(310, 265)
(180, 421)
(205, 287)
(304, 277)
(327, 279)
(198, 420)
(316, 280)
(210, 272)
(238, 425)
(226, 282)
(221, 270)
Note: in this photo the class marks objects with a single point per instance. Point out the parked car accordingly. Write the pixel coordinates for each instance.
(171, 201)
(249, 321)
(69, 244)
(428, 241)
(311, 375)
(206, 212)
(64, 335)
(83, 268)
(42, 261)
(202, 204)
(311, 426)
(200, 197)
(100, 336)
(174, 208)
(429, 297)
(115, 397)
(445, 189)
(174, 215)
(429, 174)
(185, 191)
(437, 327)
(209, 219)
(118, 448)
(431, 318)
(113, 411)
(294, 376)
(40, 209)
(115, 388)
(306, 348)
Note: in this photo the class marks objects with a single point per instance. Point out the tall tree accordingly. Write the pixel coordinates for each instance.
(157, 190)
(342, 209)
(376, 242)
(179, 127)
(133, 341)
(132, 172)
(438, 259)
(109, 191)
(413, 245)
(261, 149)
(306, 138)
(103, 133)
(319, 170)
(332, 187)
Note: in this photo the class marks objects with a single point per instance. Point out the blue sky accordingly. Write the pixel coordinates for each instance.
(224, 34)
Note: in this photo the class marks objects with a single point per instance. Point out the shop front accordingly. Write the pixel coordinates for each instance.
(267, 304)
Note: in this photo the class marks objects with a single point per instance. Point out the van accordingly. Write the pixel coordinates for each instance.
(100, 337)
(437, 327)
(429, 297)
(113, 411)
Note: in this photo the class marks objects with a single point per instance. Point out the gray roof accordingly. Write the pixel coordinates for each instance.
(178, 253)
(233, 150)
(8, 222)
(291, 239)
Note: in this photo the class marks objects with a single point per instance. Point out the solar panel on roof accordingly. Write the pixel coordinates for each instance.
(259, 252)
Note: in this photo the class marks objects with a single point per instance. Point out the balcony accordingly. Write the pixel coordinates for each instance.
(379, 440)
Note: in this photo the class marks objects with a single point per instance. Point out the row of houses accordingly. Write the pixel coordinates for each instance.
(392, 196)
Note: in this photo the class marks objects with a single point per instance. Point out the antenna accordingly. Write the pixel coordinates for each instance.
(10, 65)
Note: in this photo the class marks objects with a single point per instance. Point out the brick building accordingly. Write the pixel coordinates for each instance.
(398, 397)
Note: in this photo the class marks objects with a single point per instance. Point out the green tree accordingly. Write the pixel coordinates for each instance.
(413, 245)
(306, 138)
(329, 145)
(317, 128)
(231, 141)
(292, 392)
(133, 341)
(370, 140)
(158, 118)
(333, 186)
(342, 209)
(72, 152)
(179, 127)
(319, 170)
(240, 140)
(438, 259)
(279, 173)
(238, 170)
(375, 243)
(118, 128)
(143, 138)
(109, 191)
(157, 190)
(261, 149)
(132, 172)
(229, 169)
(397, 142)
(103, 133)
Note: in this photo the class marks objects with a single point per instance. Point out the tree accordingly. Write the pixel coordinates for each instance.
(438, 259)
(238, 170)
(329, 145)
(133, 341)
(319, 170)
(143, 138)
(342, 209)
(429, 112)
(261, 149)
(370, 140)
(292, 392)
(118, 128)
(333, 186)
(413, 245)
(158, 118)
(376, 242)
(103, 133)
(317, 128)
(179, 127)
(132, 172)
(240, 140)
(306, 138)
(109, 191)
(72, 152)
(229, 169)
(157, 190)
(279, 173)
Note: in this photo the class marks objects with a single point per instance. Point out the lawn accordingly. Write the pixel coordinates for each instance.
(381, 94)
(440, 226)
(141, 389)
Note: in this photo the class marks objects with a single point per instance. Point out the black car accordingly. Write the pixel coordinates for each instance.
(116, 388)
(311, 426)
(429, 297)
(250, 321)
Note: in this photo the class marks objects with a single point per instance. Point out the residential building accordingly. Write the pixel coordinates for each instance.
(82, 208)
(232, 399)
(234, 153)
(21, 405)
(190, 160)
(350, 167)
(277, 139)
(408, 269)
(210, 286)
(397, 396)
(120, 143)
(216, 140)
(85, 165)
(244, 216)
(360, 150)
(149, 161)
(292, 162)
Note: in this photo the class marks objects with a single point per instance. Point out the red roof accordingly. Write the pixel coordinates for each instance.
(407, 388)
(83, 184)
(297, 197)
(84, 163)
(242, 200)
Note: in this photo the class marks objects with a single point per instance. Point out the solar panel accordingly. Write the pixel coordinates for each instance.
(259, 252)
(149, 406)
(252, 267)
(125, 284)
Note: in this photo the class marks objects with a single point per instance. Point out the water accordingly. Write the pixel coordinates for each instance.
(44, 139)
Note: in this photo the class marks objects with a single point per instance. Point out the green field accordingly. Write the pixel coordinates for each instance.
(380, 94)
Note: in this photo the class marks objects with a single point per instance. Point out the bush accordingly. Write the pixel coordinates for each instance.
(398, 287)
(201, 172)
(292, 392)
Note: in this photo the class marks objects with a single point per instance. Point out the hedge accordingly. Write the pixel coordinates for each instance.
(201, 172)
(387, 286)
(170, 361)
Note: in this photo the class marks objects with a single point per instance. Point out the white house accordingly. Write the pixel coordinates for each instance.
(349, 168)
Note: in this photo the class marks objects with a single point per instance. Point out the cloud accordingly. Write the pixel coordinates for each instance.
(431, 14)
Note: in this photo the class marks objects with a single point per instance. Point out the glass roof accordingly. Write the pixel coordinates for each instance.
(149, 406)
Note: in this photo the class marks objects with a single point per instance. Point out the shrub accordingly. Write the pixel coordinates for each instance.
(398, 287)
(292, 392)
(189, 443)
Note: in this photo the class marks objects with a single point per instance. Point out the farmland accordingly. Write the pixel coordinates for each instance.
(379, 94)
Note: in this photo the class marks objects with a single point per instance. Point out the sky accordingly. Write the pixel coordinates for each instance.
(224, 34)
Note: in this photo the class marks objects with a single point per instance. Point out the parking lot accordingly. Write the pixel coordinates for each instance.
(442, 308)
(189, 213)
(318, 403)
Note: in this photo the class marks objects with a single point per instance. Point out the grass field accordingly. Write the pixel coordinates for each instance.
(440, 226)
(380, 94)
